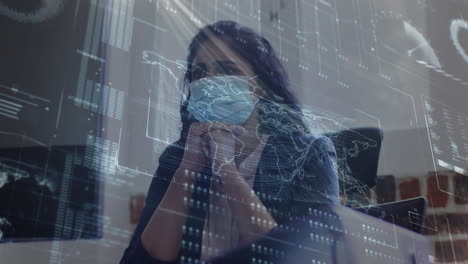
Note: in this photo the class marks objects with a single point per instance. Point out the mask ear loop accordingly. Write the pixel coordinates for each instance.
(254, 87)
(253, 77)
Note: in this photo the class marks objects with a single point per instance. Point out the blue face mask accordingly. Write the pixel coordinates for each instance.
(221, 98)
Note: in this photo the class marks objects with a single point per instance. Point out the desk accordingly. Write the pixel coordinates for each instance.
(334, 234)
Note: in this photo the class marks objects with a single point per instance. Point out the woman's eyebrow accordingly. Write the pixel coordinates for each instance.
(224, 63)
(199, 65)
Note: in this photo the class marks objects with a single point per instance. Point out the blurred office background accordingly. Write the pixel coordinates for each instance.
(90, 94)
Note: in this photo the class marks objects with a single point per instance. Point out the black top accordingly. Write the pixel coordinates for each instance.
(294, 169)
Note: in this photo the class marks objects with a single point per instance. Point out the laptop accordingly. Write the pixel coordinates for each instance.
(408, 213)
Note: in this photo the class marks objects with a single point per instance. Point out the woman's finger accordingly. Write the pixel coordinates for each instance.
(234, 129)
(199, 129)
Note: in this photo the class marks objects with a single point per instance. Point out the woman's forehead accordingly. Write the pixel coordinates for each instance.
(215, 50)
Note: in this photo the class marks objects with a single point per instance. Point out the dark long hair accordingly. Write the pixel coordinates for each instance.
(279, 107)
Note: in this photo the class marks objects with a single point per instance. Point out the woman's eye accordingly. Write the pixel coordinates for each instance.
(231, 71)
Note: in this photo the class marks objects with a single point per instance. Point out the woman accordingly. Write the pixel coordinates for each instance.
(244, 161)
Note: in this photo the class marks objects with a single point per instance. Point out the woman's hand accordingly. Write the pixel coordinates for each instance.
(222, 146)
(196, 148)
(211, 145)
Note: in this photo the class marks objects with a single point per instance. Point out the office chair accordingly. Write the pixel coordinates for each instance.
(358, 156)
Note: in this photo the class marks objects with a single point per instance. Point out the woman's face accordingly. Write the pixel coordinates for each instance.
(215, 58)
